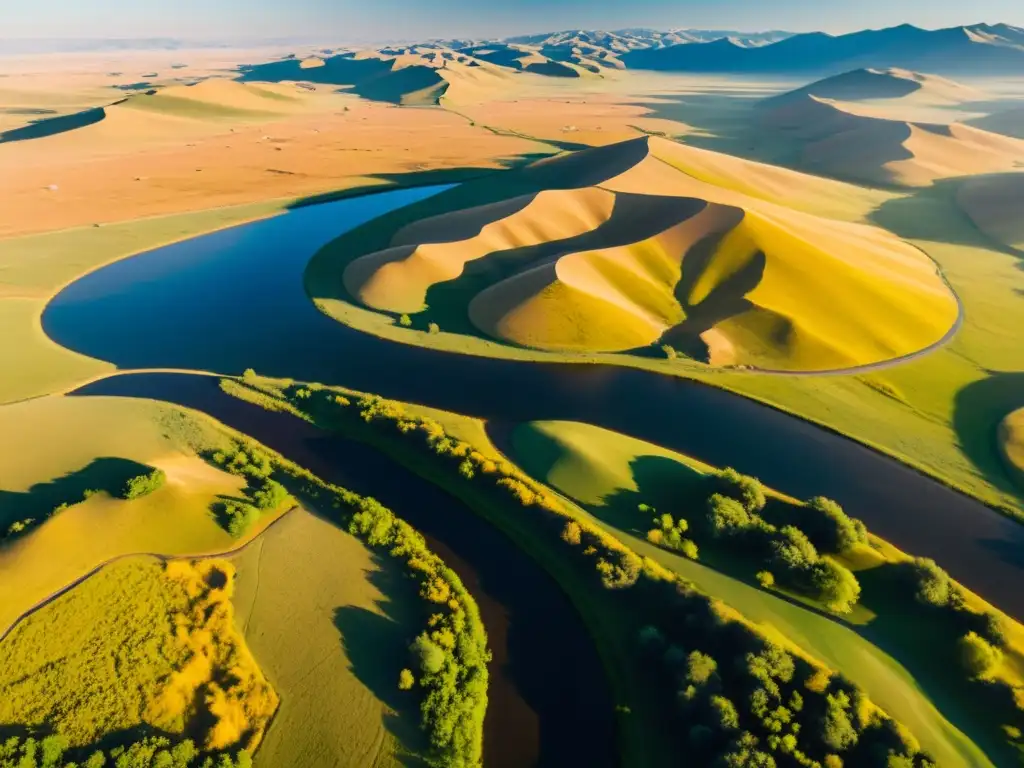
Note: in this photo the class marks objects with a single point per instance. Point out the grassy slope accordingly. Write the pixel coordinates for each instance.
(1011, 444)
(111, 437)
(603, 471)
(328, 623)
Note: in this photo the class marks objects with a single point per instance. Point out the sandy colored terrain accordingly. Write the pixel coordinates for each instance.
(996, 206)
(633, 246)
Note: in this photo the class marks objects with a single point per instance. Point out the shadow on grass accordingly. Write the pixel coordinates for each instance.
(932, 213)
(377, 647)
(977, 412)
(107, 474)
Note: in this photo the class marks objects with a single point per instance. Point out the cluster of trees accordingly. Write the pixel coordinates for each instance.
(743, 701)
(449, 658)
(790, 554)
(264, 493)
(447, 663)
(144, 484)
(152, 752)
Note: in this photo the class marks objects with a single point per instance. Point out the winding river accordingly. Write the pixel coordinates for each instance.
(234, 299)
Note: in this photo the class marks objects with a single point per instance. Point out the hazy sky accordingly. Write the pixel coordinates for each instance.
(390, 19)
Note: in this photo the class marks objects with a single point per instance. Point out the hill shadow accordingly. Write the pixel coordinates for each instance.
(106, 474)
(377, 647)
(373, 79)
(53, 126)
(978, 410)
(932, 214)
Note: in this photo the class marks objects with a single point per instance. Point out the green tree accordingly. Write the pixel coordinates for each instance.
(428, 655)
(405, 321)
(406, 680)
(700, 667)
(723, 713)
(978, 657)
(743, 488)
(727, 517)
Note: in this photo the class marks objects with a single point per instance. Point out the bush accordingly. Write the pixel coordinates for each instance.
(405, 321)
(271, 496)
(406, 680)
(831, 528)
(723, 714)
(793, 551)
(428, 655)
(700, 667)
(238, 517)
(934, 587)
(978, 656)
(727, 517)
(765, 579)
(434, 328)
(143, 485)
(744, 489)
(836, 585)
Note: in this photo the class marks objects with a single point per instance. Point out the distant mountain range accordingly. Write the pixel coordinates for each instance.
(982, 49)
(641, 38)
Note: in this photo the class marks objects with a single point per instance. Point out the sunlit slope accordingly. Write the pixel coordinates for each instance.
(886, 139)
(649, 242)
(996, 206)
(1011, 443)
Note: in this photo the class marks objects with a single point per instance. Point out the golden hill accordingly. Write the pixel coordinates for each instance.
(996, 206)
(854, 141)
(647, 242)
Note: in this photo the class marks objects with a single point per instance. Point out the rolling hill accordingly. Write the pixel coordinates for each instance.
(861, 125)
(645, 242)
(1011, 444)
(981, 49)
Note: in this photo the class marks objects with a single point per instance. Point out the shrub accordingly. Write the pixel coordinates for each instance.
(727, 517)
(793, 551)
(689, 549)
(271, 496)
(744, 489)
(933, 583)
(837, 730)
(434, 328)
(238, 517)
(836, 585)
(406, 680)
(978, 656)
(143, 485)
(723, 714)
(428, 655)
(700, 667)
(765, 579)
(405, 321)
(832, 529)
(571, 533)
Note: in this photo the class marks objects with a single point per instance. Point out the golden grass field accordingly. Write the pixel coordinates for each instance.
(329, 624)
(139, 643)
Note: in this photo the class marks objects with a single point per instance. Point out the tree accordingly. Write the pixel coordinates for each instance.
(977, 655)
(428, 655)
(836, 585)
(744, 489)
(723, 713)
(727, 517)
(933, 583)
(405, 321)
(837, 729)
(700, 667)
(689, 549)
(406, 680)
(434, 328)
(765, 579)
(793, 551)
(836, 531)
(572, 533)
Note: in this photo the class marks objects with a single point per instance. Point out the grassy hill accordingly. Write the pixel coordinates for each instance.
(647, 242)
